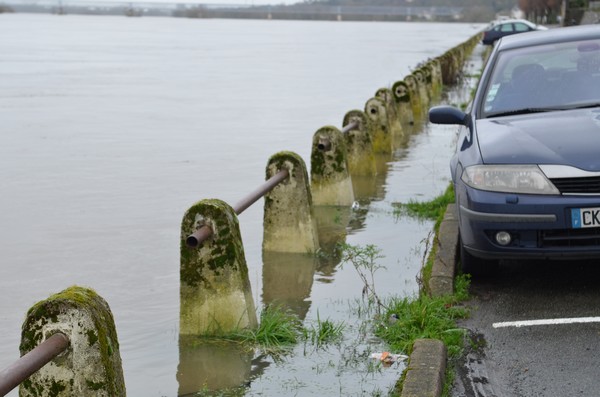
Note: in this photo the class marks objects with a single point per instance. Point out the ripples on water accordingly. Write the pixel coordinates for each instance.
(112, 127)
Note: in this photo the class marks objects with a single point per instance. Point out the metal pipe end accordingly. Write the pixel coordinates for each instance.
(192, 241)
(324, 145)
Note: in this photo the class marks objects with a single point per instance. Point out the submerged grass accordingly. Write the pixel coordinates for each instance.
(280, 329)
(432, 210)
(324, 332)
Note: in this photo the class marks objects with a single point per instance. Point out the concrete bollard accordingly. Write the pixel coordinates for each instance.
(376, 111)
(385, 94)
(215, 289)
(450, 67)
(415, 96)
(359, 144)
(403, 102)
(436, 75)
(424, 88)
(289, 224)
(91, 366)
(331, 183)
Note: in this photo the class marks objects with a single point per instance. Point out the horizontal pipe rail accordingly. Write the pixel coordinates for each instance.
(349, 127)
(27, 365)
(204, 232)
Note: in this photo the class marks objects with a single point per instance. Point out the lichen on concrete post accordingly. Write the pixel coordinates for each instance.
(289, 224)
(376, 111)
(91, 366)
(385, 94)
(359, 144)
(436, 75)
(424, 90)
(415, 96)
(331, 183)
(403, 103)
(215, 292)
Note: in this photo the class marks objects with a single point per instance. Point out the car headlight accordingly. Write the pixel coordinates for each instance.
(509, 179)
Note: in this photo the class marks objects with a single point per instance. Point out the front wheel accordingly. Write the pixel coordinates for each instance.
(474, 265)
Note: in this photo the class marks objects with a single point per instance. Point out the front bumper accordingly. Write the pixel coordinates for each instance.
(539, 226)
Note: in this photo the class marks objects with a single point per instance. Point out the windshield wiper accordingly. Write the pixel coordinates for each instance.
(586, 106)
(516, 112)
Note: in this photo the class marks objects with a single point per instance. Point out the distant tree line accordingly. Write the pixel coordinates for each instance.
(5, 8)
(541, 11)
(473, 10)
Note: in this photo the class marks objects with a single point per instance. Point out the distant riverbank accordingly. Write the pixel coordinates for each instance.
(303, 11)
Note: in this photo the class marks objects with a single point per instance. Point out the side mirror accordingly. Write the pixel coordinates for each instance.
(447, 115)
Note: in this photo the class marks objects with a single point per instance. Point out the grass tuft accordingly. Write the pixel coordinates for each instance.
(426, 317)
(278, 328)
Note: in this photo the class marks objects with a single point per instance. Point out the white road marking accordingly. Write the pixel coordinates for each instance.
(556, 321)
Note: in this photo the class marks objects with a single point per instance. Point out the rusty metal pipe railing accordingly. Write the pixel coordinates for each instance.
(349, 127)
(27, 365)
(204, 232)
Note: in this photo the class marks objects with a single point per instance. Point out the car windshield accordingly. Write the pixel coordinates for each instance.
(543, 78)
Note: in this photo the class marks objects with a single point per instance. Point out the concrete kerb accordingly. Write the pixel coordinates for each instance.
(441, 281)
(426, 369)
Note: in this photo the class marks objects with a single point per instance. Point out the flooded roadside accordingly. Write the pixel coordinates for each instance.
(111, 130)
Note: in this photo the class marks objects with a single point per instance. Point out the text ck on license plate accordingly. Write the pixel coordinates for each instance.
(585, 217)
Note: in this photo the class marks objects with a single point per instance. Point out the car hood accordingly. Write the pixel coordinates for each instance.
(570, 137)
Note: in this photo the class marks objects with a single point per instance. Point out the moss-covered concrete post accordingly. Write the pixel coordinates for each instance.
(289, 224)
(214, 285)
(91, 366)
(436, 75)
(331, 183)
(450, 67)
(415, 96)
(428, 76)
(403, 102)
(381, 134)
(359, 144)
(385, 94)
(424, 89)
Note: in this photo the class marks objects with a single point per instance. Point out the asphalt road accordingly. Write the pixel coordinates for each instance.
(551, 359)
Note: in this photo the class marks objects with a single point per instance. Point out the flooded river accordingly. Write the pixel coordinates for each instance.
(111, 127)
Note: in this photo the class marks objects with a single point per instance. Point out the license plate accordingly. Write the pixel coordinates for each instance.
(585, 217)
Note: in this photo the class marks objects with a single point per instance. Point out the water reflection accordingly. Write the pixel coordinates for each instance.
(287, 280)
(206, 366)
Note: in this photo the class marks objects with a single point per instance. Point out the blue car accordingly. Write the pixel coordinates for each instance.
(507, 27)
(526, 171)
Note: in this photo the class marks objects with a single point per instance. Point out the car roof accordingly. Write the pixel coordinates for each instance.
(513, 20)
(557, 35)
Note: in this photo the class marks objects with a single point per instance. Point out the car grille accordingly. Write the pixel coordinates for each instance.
(570, 238)
(587, 185)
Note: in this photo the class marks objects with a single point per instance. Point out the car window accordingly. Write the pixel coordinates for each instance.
(507, 27)
(557, 75)
(521, 27)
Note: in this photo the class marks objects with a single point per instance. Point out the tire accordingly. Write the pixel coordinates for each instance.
(476, 266)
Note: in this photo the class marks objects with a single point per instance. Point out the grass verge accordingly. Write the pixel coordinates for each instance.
(426, 316)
